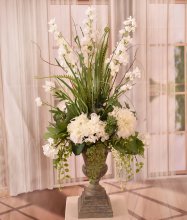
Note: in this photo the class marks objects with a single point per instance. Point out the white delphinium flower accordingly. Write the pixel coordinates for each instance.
(82, 129)
(89, 38)
(52, 26)
(49, 85)
(38, 101)
(62, 105)
(90, 12)
(126, 87)
(130, 24)
(66, 54)
(49, 150)
(130, 78)
(126, 122)
(114, 66)
(65, 51)
(120, 55)
(119, 58)
(134, 74)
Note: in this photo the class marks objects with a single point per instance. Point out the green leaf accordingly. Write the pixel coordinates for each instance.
(59, 130)
(131, 145)
(111, 125)
(52, 130)
(135, 146)
(71, 112)
(78, 148)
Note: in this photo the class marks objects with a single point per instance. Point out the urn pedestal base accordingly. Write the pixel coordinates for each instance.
(119, 206)
(94, 203)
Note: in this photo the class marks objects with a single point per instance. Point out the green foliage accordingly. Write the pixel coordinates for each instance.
(95, 161)
(132, 145)
(139, 166)
(111, 125)
(61, 162)
(56, 131)
(90, 88)
(125, 151)
(60, 95)
(91, 85)
(125, 165)
(57, 115)
(111, 102)
(77, 148)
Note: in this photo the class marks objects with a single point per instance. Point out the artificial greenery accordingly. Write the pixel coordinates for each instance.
(91, 119)
(61, 162)
(95, 161)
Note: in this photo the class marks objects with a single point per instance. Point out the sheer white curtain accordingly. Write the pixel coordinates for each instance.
(3, 166)
(21, 23)
(22, 124)
(160, 96)
(119, 12)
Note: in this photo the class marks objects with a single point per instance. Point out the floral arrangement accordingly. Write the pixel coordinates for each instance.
(88, 113)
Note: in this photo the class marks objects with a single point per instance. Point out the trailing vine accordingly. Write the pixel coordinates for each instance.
(61, 162)
(124, 165)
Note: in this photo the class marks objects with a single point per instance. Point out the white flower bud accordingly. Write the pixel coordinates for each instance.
(38, 101)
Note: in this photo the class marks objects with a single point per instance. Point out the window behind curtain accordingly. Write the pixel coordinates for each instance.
(166, 67)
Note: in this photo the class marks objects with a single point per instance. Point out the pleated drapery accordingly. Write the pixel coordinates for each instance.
(21, 23)
(24, 168)
(158, 38)
(160, 95)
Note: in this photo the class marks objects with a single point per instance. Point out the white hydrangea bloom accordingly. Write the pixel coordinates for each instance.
(76, 128)
(38, 101)
(96, 129)
(49, 85)
(49, 150)
(82, 129)
(126, 122)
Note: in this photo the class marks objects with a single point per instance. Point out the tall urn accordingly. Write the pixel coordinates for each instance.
(94, 201)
